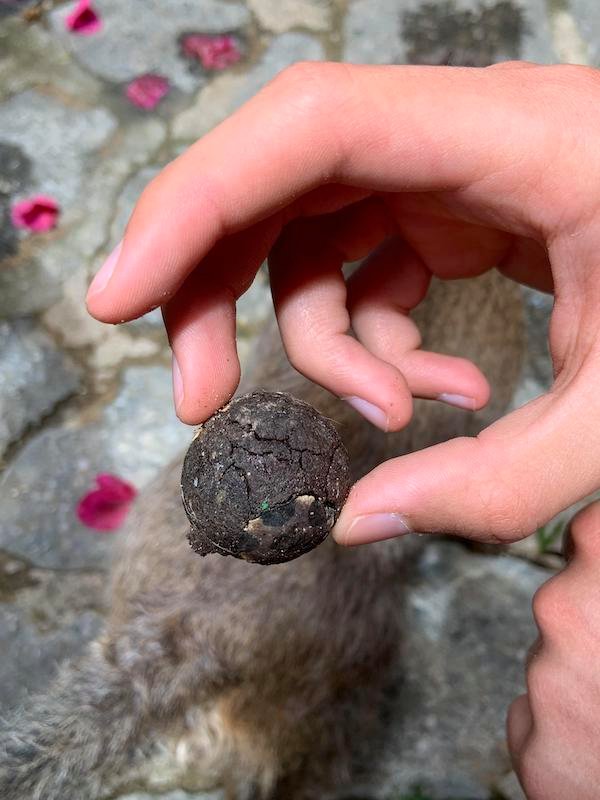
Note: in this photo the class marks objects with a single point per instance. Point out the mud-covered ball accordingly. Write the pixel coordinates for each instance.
(264, 479)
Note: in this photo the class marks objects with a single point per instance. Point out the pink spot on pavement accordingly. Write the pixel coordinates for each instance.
(84, 19)
(106, 507)
(38, 214)
(213, 52)
(147, 91)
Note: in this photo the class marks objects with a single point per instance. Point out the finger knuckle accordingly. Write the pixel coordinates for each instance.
(317, 93)
(534, 651)
(150, 191)
(582, 84)
(322, 358)
(309, 363)
(300, 350)
(512, 64)
(582, 537)
(309, 84)
(504, 511)
(518, 724)
(542, 687)
(553, 609)
(297, 355)
(533, 770)
(578, 74)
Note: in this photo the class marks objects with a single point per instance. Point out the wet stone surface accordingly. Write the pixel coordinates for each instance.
(15, 174)
(34, 377)
(468, 626)
(282, 15)
(65, 138)
(139, 37)
(133, 437)
(45, 617)
(177, 795)
(34, 278)
(586, 16)
(228, 91)
(447, 32)
(56, 143)
(31, 57)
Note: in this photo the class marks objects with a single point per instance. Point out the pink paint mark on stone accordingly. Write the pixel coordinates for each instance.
(84, 19)
(147, 91)
(37, 214)
(213, 52)
(105, 507)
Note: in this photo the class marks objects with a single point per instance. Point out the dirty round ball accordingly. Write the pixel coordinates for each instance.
(264, 479)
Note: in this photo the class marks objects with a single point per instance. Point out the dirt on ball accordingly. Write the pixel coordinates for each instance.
(264, 480)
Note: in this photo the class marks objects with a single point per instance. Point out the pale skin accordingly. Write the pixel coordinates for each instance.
(421, 171)
(554, 729)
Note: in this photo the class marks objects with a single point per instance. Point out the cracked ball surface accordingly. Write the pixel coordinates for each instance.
(264, 479)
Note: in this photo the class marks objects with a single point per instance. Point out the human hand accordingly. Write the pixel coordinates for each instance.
(428, 170)
(554, 730)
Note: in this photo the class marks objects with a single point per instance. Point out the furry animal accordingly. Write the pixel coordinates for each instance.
(269, 681)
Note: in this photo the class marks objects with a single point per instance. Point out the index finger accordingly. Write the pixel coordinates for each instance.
(388, 128)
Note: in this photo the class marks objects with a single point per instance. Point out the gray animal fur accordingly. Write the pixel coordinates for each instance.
(270, 681)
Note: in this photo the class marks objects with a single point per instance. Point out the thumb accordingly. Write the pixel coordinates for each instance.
(497, 487)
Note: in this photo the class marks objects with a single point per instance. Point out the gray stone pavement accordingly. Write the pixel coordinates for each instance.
(78, 398)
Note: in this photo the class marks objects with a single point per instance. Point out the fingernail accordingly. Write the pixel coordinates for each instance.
(102, 277)
(375, 528)
(177, 383)
(458, 400)
(369, 411)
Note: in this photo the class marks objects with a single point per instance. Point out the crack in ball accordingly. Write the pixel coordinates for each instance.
(264, 479)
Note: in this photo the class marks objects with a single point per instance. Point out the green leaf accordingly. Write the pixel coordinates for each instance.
(547, 536)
